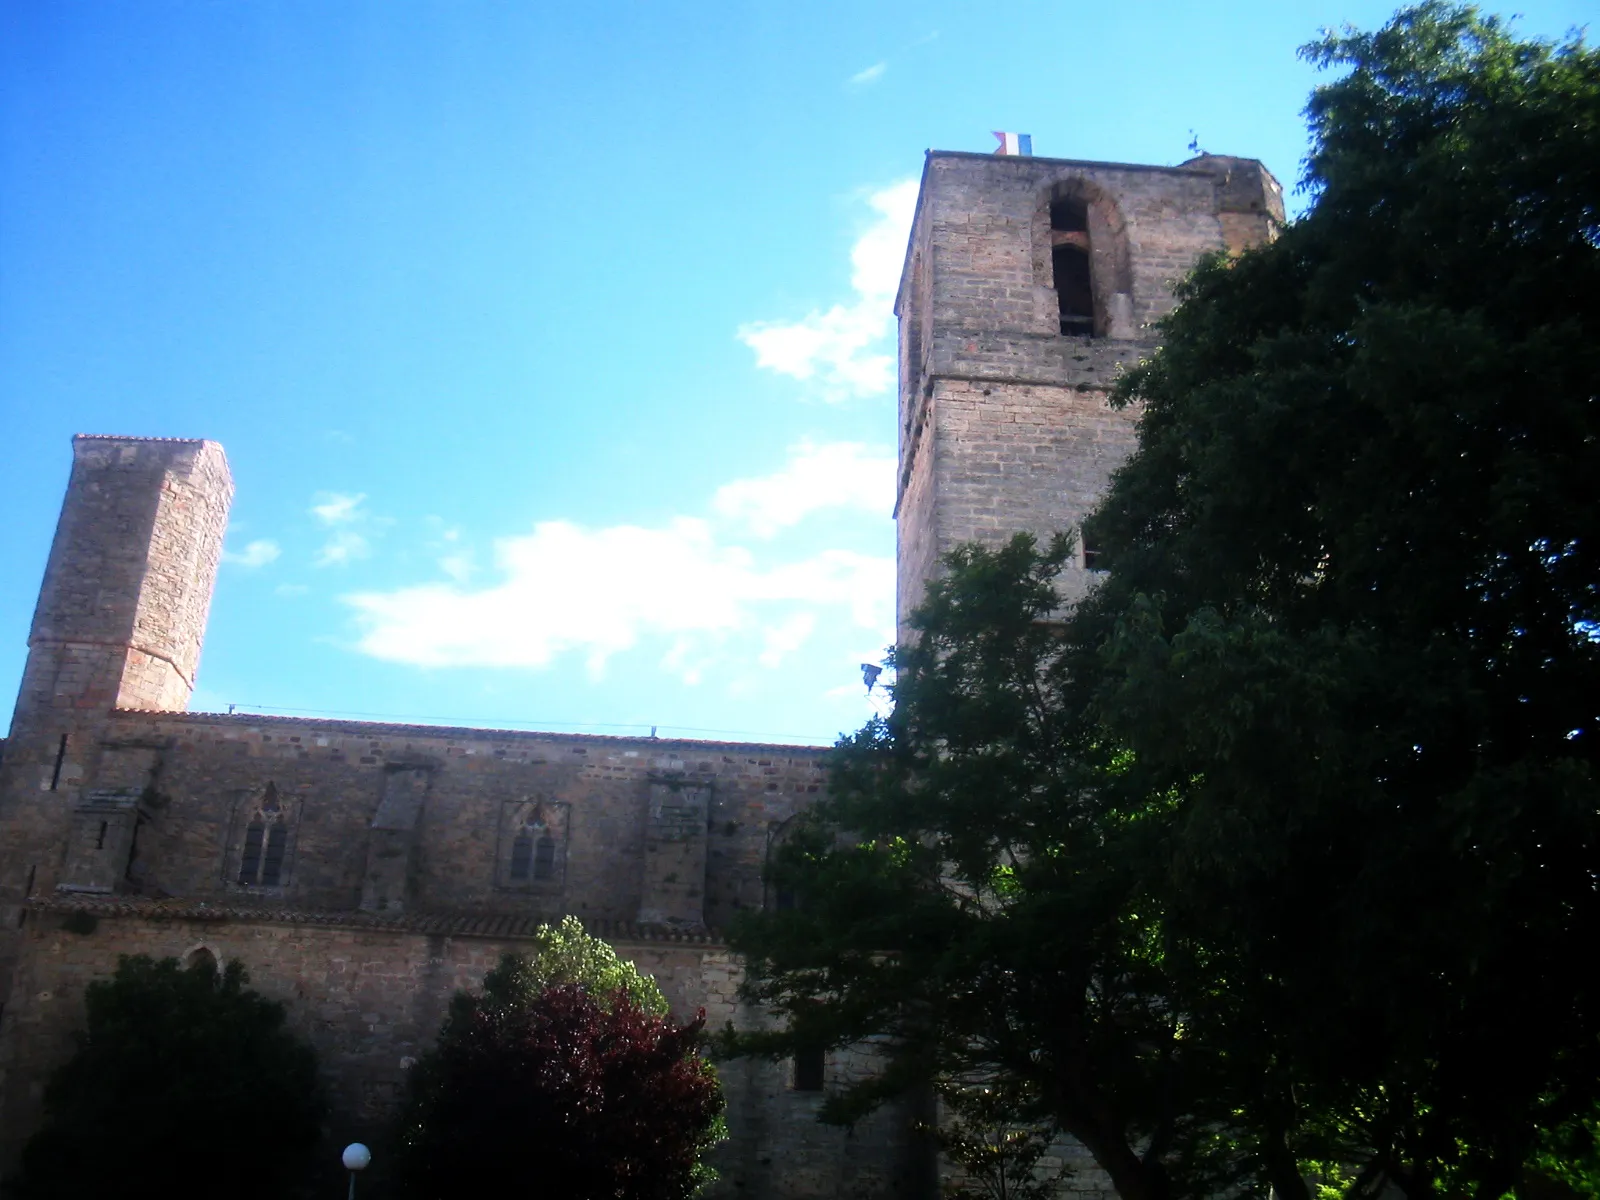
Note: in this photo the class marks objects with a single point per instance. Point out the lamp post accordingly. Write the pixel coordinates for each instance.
(356, 1157)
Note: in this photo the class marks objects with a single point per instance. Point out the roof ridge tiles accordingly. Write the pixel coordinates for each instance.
(517, 926)
(460, 730)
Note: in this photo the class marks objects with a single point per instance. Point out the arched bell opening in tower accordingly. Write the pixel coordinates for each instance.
(1088, 262)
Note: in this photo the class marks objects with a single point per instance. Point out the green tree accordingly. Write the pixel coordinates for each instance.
(184, 1083)
(565, 1070)
(987, 916)
(1274, 864)
(999, 1155)
(1352, 616)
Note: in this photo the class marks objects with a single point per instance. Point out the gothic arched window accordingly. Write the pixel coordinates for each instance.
(266, 842)
(537, 832)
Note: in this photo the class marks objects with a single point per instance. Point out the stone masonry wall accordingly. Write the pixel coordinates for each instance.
(181, 572)
(122, 612)
(367, 984)
(206, 773)
(120, 620)
(1003, 421)
(371, 1000)
(1023, 458)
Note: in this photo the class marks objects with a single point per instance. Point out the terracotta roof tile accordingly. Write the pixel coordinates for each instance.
(392, 729)
(481, 925)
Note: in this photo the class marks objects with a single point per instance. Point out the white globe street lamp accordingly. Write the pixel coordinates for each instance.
(356, 1157)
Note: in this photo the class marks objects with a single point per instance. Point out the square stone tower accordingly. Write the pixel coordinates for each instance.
(118, 627)
(1029, 283)
(122, 613)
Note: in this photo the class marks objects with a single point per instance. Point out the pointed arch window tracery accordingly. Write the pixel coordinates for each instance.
(533, 849)
(533, 854)
(263, 856)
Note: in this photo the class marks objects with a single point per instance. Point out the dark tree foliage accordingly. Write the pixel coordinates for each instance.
(998, 1155)
(986, 918)
(185, 1084)
(1274, 864)
(543, 1082)
(1353, 615)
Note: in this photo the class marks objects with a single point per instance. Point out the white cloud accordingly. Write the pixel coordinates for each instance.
(846, 348)
(597, 592)
(457, 566)
(869, 75)
(337, 508)
(784, 639)
(291, 590)
(342, 548)
(835, 475)
(257, 554)
(342, 512)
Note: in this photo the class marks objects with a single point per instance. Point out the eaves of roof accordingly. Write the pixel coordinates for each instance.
(499, 926)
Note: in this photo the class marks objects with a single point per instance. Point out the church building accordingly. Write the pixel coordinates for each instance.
(363, 872)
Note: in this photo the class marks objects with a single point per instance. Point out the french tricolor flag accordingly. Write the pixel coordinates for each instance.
(1015, 143)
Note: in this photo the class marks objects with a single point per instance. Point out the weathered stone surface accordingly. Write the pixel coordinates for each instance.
(371, 999)
(1004, 425)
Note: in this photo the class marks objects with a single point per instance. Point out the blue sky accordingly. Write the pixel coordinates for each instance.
(549, 344)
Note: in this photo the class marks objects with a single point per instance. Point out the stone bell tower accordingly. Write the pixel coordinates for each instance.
(122, 613)
(1028, 284)
(119, 625)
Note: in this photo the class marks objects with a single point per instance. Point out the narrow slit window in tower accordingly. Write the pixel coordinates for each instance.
(1069, 259)
(61, 758)
(1073, 292)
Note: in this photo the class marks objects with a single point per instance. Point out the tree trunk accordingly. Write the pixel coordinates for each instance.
(1133, 1178)
(1283, 1169)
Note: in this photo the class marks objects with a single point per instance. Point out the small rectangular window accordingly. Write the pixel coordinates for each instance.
(1074, 291)
(808, 1069)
